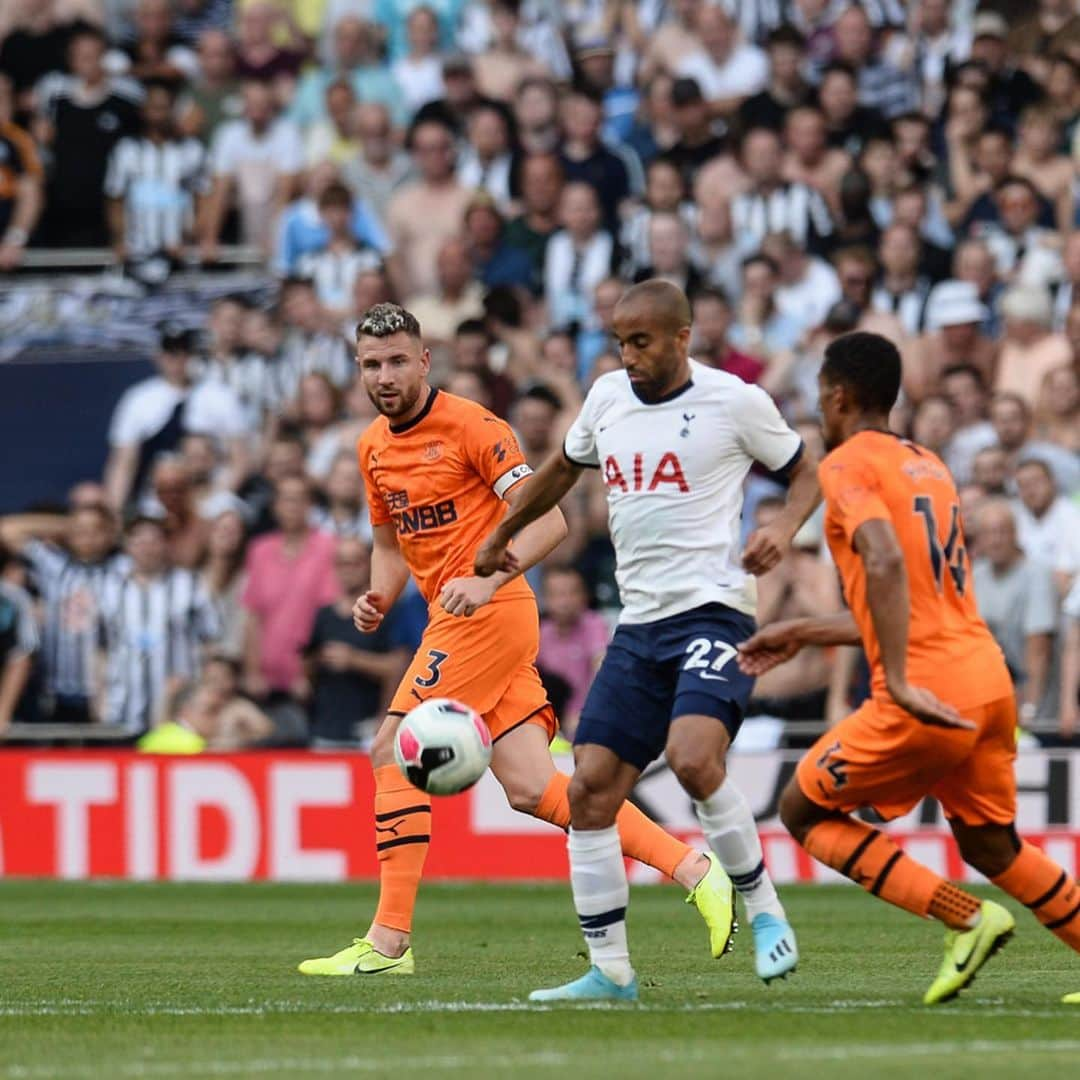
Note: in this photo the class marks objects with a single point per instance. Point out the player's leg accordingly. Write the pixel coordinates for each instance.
(711, 694)
(600, 784)
(696, 752)
(875, 758)
(521, 762)
(402, 835)
(980, 799)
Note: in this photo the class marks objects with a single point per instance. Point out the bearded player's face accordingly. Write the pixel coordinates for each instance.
(394, 370)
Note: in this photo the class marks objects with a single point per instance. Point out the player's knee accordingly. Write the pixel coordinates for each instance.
(522, 794)
(700, 776)
(792, 810)
(382, 746)
(990, 849)
(591, 803)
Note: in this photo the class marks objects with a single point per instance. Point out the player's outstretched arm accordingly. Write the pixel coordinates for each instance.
(540, 494)
(765, 547)
(388, 577)
(890, 608)
(778, 642)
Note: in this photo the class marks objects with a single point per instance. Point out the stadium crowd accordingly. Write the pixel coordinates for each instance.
(504, 168)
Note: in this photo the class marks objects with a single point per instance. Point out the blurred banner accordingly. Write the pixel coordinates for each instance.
(301, 816)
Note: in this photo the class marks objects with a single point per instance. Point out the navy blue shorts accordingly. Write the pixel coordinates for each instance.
(655, 672)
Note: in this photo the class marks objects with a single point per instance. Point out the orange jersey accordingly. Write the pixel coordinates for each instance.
(441, 479)
(874, 476)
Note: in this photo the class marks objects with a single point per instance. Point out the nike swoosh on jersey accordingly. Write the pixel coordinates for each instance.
(716, 678)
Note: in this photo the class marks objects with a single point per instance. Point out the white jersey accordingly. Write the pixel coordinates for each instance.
(674, 472)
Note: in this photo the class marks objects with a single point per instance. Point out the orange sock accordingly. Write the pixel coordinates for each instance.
(1037, 881)
(957, 909)
(641, 837)
(872, 860)
(402, 835)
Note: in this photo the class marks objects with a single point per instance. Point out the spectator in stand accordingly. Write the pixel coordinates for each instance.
(786, 89)
(222, 575)
(1011, 89)
(1038, 158)
(506, 63)
(355, 61)
(1017, 600)
(542, 180)
(19, 642)
(284, 460)
(344, 514)
(1029, 349)
(965, 389)
(727, 71)
(699, 137)
(459, 296)
(536, 116)
(174, 502)
(1058, 415)
(333, 138)
(81, 117)
(195, 17)
(808, 285)
(418, 73)
(20, 182)
(256, 164)
(760, 328)
(674, 39)
(381, 167)
(36, 45)
(154, 622)
(154, 184)
(669, 253)
(578, 257)
(573, 639)
(1067, 293)
(849, 123)
(973, 262)
(1047, 524)
(902, 291)
(71, 559)
(711, 343)
(352, 675)
(809, 159)
(1012, 421)
(494, 262)
(213, 93)
(318, 406)
(665, 192)
(427, 211)
(290, 575)
(932, 423)
(771, 204)
(334, 268)
(1069, 706)
(1026, 252)
(153, 415)
(153, 51)
(269, 46)
(486, 160)
(312, 343)
(240, 351)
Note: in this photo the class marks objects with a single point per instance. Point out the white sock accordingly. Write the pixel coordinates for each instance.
(601, 893)
(728, 824)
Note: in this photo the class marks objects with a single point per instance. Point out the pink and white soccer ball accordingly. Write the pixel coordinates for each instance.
(443, 746)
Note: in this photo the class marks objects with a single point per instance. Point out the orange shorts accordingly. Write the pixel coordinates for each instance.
(487, 662)
(882, 757)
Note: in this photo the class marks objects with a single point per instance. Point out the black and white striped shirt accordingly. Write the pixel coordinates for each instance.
(158, 183)
(152, 631)
(71, 594)
(304, 354)
(251, 377)
(796, 209)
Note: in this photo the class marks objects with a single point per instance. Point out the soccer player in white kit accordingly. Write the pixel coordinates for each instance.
(674, 440)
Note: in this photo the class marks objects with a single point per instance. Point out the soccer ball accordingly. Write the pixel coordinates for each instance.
(442, 746)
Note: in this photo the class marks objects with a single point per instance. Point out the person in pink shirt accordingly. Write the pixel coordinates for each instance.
(573, 639)
(290, 575)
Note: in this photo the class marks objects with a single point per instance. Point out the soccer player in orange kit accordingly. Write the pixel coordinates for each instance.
(439, 472)
(893, 527)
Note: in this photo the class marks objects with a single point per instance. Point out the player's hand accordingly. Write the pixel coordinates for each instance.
(928, 709)
(463, 595)
(494, 555)
(768, 648)
(764, 550)
(366, 615)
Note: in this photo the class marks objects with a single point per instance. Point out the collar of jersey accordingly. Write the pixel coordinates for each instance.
(671, 395)
(400, 429)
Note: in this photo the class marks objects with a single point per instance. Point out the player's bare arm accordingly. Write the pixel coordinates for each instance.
(890, 608)
(542, 494)
(765, 547)
(462, 596)
(774, 644)
(388, 577)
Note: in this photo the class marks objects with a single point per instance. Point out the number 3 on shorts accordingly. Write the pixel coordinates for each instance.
(709, 667)
(435, 661)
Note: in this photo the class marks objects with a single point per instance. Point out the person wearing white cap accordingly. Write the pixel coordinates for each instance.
(954, 314)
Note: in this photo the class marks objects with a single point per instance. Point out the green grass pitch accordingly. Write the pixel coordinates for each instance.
(157, 981)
